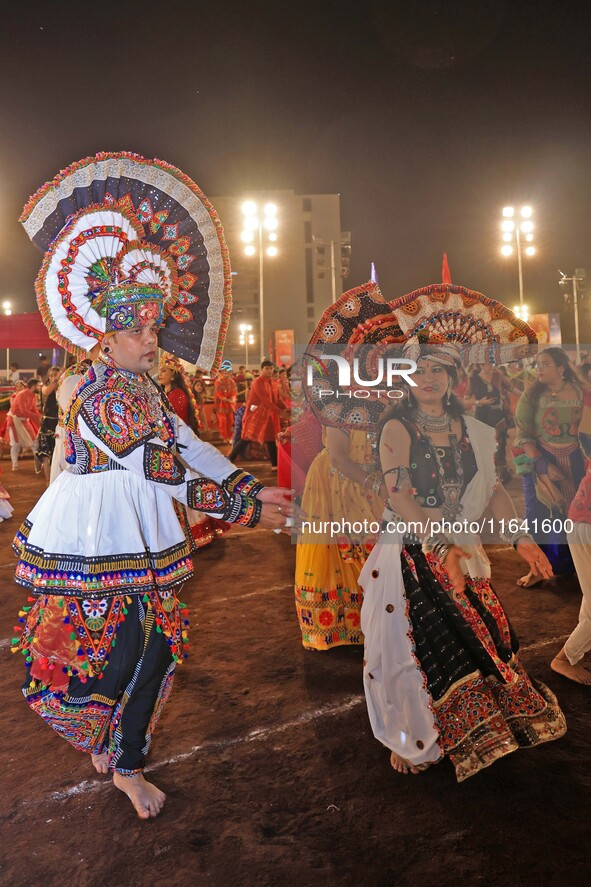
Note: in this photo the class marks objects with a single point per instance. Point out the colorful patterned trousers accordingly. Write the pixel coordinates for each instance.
(118, 712)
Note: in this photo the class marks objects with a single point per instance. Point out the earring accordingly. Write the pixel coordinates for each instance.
(448, 397)
(106, 349)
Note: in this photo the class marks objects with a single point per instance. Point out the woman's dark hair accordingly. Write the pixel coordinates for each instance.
(560, 358)
(178, 381)
(403, 409)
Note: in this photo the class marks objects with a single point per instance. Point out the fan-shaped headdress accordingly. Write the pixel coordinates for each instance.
(447, 323)
(481, 329)
(358, 328)
(127, 240)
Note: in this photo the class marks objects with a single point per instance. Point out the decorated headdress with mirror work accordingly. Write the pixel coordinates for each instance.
(128, 240)
(359, 328)
(450, 324)
(478, 329)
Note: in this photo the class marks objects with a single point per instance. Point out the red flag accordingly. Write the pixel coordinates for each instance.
(445, 272)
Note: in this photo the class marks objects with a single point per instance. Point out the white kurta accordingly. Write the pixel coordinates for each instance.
(117, 513)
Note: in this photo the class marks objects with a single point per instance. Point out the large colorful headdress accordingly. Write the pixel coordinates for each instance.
(449, 324)
(480, 329)
(128, 240)
(358, 328)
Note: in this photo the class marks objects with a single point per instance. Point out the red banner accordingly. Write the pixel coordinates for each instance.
(284, 347)
(24, 331)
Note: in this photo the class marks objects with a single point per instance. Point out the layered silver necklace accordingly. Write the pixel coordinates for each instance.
(433, 424)
(451, 490)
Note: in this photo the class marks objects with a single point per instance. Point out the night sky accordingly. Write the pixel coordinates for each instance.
(426, 117)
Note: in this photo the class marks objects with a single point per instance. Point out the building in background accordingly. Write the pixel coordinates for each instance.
(299, 282)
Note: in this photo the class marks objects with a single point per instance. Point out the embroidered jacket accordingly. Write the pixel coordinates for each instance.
(118, 420)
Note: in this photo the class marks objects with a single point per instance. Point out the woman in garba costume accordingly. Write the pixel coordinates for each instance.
(106, 628)
(548, 455)
(224, 401)
(442, 674)
(171, 376)
(342, 484)
(49, 420)
(200, 529)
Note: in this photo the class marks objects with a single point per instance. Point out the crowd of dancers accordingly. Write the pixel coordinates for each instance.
(104, 628)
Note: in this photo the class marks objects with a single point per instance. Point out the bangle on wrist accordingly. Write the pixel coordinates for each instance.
(516, 537)
(434, 540)
(367, 477)
(440, 550)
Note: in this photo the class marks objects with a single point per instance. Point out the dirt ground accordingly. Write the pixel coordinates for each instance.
(267, 758)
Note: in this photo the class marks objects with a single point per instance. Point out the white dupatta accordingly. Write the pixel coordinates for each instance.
(398, 703)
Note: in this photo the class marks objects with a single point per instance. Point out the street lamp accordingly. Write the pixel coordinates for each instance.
(7, 308)
(246, 339)
(577, 278)
(265, 227)
(518, 230)
(319, 242)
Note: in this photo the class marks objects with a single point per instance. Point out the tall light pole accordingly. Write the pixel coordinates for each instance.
(516, 231)
(578, 277)
(246, 339)
(318, 241)
(265, 227)
(7, 308)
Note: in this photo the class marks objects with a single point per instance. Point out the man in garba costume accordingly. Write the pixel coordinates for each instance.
(102, 552)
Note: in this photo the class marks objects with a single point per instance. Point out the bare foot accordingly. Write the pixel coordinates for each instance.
(145, 797)
(401, 765)
(578, 672)
(101, 762)
(529, 581)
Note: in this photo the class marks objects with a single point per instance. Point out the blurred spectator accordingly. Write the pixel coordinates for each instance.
(43, 368)
(46, 439)
(23, 420)
(283, 385)
(224, 401)
(485, 389)
(172, 378)
(264, 408)
(199, 389)
(241, 384)
(547, 454)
